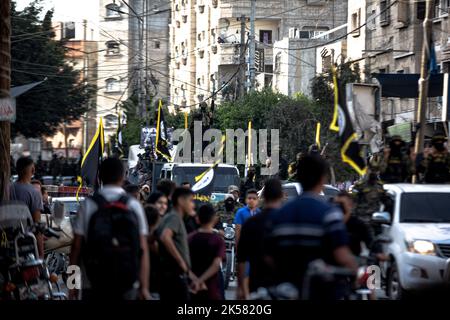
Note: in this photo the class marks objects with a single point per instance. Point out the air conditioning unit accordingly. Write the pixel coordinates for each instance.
(316, 2)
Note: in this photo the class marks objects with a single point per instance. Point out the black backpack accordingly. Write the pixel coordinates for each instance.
(112, 251)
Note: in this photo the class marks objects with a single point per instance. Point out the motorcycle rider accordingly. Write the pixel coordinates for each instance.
(358, 231)
(226, 209)
(307, 229)
(369, 194)
(22, 190)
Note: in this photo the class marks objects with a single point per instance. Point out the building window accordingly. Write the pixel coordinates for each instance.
(69, 30)
(157, 45)
(402, 14)
(265, 36)
(356, 23)
(113, 11)
(112, 48)
(421, 8)
(441, 10)
(385, 12)
(112, 85)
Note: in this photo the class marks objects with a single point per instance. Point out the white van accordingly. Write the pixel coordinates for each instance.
(226, 174)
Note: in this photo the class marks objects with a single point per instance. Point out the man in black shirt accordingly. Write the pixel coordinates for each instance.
(250, 248)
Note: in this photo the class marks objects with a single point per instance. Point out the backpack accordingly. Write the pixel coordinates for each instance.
(112, 251)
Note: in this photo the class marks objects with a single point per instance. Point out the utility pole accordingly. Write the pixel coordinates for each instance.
(424, 78)
(141, 66)
(252, 48)
(241, 86)
(5, 85)
(85, 80)
(140, 46)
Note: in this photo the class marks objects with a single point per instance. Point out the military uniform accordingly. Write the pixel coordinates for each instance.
(368, 198)
(436, 166)
(226, 216)
(397, 167)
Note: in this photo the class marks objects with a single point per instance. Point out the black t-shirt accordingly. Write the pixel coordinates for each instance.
(251, 249)
(190, 224)
(358, 232)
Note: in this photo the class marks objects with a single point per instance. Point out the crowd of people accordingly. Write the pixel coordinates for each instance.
(178, 251)
(133, 242)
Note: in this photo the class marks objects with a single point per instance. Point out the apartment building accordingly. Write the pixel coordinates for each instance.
(133, 56)
(115, 58)
(79, 37)
(206, 46)
(391, 42)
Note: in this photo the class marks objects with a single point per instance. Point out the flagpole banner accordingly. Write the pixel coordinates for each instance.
(119, 145)
(91, 160)
(350, 149)
(204, 182)
(162, 147)
(318, 134)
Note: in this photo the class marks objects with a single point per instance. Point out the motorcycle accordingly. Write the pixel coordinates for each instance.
(57, 250)
(229, 268)
(23, 276)
(368, 262)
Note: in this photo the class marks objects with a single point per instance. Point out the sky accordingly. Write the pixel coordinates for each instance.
(68, 10)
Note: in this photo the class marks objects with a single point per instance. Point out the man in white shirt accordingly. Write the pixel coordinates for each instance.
(112, 175)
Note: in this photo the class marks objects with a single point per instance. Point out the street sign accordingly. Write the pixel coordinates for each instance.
(7, 109)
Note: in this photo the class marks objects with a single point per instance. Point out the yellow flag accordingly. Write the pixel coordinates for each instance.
(318, 134)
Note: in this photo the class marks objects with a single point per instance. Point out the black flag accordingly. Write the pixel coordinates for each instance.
(350, 151)
(92, 159)
(204, 182)
(162, 143)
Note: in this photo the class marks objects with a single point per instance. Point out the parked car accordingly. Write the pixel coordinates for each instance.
(294, 189)
(418, 223)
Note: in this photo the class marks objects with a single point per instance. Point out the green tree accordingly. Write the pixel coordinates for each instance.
(254, 107)
(37, 56)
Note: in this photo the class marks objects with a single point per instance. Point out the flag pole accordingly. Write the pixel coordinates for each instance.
(318, 134)
(424, 80)
(158, 125)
